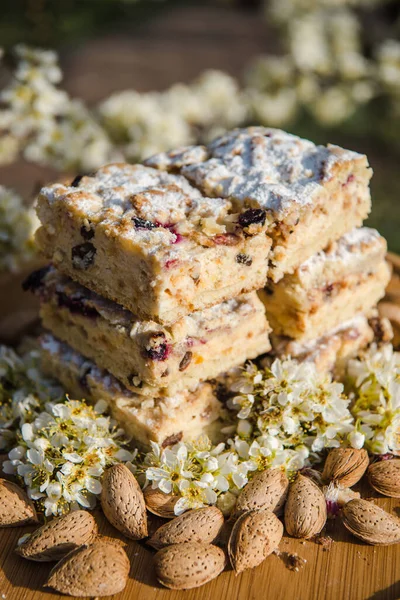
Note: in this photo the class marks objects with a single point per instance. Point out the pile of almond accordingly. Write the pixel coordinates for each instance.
(197, 546)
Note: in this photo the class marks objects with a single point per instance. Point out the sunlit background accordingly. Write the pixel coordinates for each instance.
(125, 79)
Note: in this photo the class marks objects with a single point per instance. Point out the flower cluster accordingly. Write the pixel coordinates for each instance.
(63, 453)
(23, 392)
(17, 226)
(143, 124)
(288, 414)
(41, 121)
(375, 383)
(199, 472)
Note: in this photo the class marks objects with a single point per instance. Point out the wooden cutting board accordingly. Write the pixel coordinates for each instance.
(348, 570)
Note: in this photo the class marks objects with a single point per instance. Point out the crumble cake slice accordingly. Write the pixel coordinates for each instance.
(311, 194)
(149, 358)
(332, 351)
(347, 278)
(166, 420)
(151, 241)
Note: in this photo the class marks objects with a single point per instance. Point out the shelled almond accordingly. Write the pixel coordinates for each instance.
(16, 509)
(190, 565)
(345, 466)
(384, 477)
(305, 509)
(370, 523)
(254, 536)
(202, 525)
(267, 489)
(97, 569)
(58, 537)
(123, 503)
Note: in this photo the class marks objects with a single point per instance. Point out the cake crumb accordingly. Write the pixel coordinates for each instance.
(325, 541)
(292, 560)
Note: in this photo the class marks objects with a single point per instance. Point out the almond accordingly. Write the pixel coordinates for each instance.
(201, 525)
(97, 569)
(345, 466)
(186, 566)
(254, 536)
(160, 504)
(59, 537)
(123, 503)
(305, 509)
(384, 477)
(16, 508)
(267, 489)
(370, 523)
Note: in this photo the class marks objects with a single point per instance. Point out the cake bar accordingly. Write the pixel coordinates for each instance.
(163, 420)
(311, 195)
(347, 278)
(149, 358)
(152, 242)
(332, 351)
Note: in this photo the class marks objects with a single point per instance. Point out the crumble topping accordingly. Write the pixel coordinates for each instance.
(262, 167)
(149, 206)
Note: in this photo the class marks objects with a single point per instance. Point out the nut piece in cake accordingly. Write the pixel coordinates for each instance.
(149, 358)
(166, 420)
(312, 194)
(151, 241)
(347, 278)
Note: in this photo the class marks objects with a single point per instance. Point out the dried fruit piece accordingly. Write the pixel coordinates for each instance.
(252, 216)
(186, 566)
(345, 466)
(123, 503)
(244, 259)
(87, 234)
(305, 509)
(186, 360)
(384, 477)
(370, 523)
(59, 537)
(254, 536)
(160, 504)
(98, 569)
(199, 525)
(82, 256)
(16, 508)
(157, 347)
(267, 489)
(144, 223)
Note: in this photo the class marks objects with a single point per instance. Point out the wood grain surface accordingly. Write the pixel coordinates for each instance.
(349, 570)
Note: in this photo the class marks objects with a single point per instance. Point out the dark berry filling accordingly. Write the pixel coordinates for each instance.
(157, 347)
(252, 216)
(244, 259)
(83, 256)
(76, 304)
(87, 234)
(34, 281)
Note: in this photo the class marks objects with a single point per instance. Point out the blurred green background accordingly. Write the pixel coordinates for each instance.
(109, 45)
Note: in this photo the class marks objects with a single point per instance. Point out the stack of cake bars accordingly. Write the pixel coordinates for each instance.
(165, 275)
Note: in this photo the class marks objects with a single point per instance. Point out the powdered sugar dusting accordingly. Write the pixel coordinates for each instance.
(348, 251)
(267, 167)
